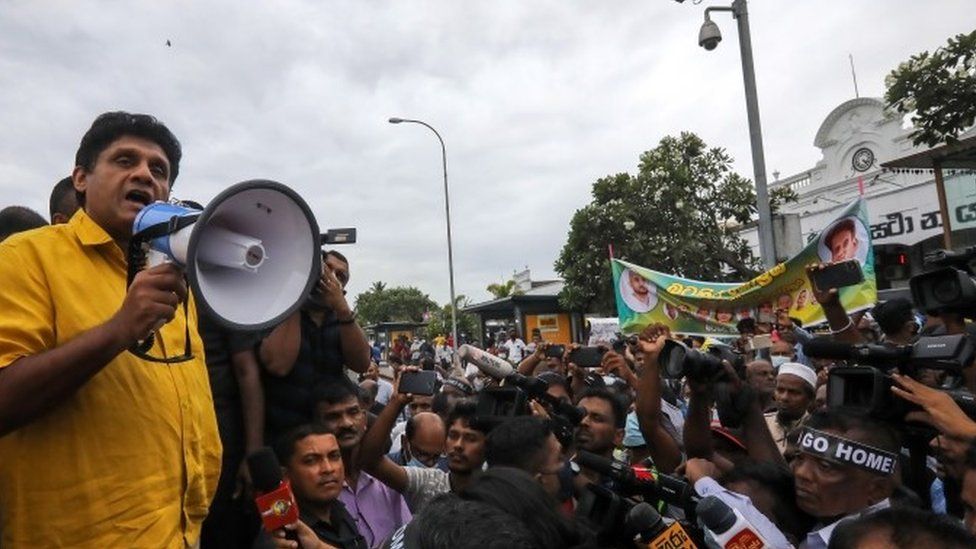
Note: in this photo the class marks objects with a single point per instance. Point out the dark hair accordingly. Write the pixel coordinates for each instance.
(746, 325)
(905, 527)
(284, 446)
(337, 255)
(449, 522)
(467, 410)
(58, 203)
(619, 411)
(334, 391)
(16, 219)
(868, 430)
(111, 126)
(519, 442)
(893, 314)
(517, 493)
(778, 482)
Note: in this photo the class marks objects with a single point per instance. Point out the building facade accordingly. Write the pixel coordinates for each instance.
(903, 207)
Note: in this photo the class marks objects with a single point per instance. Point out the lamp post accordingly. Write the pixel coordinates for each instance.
(708, 37)
(447, 215)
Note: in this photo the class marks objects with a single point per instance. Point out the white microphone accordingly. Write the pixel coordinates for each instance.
(489, 364)
(728, 527)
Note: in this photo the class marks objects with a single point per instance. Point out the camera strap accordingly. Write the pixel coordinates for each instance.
(848, 452)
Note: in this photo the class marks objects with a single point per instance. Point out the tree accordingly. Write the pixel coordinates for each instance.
(684, 208)
(440, 321)
(504, 289)
(937, 91)
(397, 304)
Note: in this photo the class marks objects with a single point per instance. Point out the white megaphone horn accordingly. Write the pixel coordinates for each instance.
(251, 256)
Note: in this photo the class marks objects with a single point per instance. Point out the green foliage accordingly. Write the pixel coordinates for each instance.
(440, 320)
(685, 204)
(780, 196)
(937, 90)
(397, 304)
(504, 289)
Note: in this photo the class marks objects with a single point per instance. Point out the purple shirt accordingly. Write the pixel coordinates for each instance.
(377, 509)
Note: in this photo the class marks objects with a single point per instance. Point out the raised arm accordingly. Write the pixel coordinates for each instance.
(662, 446)
(371, 455)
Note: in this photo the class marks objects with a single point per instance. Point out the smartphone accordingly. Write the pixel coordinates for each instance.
(423, 382)
(555, 351)
(761, 341)
(838, 275)
(587, 357)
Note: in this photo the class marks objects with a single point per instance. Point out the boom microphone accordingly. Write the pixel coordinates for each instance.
(276, 502)
(498, 368)
(641, 480)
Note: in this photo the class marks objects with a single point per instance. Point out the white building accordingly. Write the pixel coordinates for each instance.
(903, 208)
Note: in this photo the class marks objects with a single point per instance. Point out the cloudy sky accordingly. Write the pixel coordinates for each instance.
(534, 98)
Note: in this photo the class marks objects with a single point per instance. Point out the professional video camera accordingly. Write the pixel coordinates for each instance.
(868, 389)
(678, 360)
(496, 404)
(950, 287)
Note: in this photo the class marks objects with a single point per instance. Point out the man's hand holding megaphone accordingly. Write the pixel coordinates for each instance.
(330, 293)
(152, 300)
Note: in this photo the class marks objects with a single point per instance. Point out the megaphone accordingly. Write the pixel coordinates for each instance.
(251, 255)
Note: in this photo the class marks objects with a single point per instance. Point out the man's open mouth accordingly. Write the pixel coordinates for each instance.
(139, 197)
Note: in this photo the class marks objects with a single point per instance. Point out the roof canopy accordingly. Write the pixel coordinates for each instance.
(958, 155)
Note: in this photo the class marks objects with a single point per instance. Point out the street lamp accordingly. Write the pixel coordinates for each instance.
(447, 214)
(708, 37)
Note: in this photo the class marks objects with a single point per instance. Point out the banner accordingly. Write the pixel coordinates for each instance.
(692, 307)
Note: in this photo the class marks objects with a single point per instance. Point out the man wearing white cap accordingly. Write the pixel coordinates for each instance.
(795, 391)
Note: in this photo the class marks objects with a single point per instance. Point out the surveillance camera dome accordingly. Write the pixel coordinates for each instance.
(709, 36)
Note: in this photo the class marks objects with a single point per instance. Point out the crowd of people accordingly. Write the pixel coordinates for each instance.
(518, 445)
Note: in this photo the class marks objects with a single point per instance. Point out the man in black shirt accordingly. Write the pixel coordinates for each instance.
(311, 346)
(312, 463)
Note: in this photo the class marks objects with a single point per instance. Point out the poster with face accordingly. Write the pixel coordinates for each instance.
(702, 308)
(639, 295)
(846, 238)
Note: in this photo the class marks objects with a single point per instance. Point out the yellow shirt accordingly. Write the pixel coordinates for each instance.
(132, 458)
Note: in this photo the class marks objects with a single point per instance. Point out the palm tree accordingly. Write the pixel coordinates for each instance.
(505, 289)
(377, 287)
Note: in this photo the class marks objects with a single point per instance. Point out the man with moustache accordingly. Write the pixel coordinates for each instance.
(377, 510)
(311, 460)
(830, 485)
(99, 447)
(602, 428)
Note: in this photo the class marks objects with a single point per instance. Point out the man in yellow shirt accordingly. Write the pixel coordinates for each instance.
(99, 448)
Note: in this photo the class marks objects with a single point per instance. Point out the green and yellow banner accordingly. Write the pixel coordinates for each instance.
(693, 307)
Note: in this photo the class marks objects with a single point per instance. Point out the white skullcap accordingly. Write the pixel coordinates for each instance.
(801, 371)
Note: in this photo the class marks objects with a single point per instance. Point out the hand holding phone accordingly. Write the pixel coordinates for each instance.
(418, 382)
(587, 357)
(837, 275)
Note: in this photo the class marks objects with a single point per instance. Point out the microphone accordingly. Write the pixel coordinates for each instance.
(727, 525)
(276, 502)
(497, 368)
(641, 480)
(822, 347)
(491, 365)
(647, 525)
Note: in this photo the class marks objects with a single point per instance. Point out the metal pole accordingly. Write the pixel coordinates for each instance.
(447, 214)
(767, 248)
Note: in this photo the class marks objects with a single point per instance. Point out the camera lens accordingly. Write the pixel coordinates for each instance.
(946, 290)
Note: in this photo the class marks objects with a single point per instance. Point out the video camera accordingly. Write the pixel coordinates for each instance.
(950, 287)
(868, 389)
(677, 360)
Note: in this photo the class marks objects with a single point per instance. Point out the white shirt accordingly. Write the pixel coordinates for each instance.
(384, 390)
(515, 348)
(707, 486)
(818, 539)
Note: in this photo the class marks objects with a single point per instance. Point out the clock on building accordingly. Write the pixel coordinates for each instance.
(862, 160)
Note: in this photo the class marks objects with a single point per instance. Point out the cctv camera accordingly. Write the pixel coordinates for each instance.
(709, 36)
